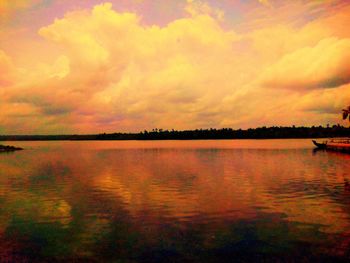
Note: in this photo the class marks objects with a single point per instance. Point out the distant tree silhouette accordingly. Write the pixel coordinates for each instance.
(275, 132)
(346, 113)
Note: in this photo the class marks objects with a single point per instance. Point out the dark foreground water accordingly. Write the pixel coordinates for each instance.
(187, 201)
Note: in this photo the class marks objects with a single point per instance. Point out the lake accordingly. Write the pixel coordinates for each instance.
(174, 201)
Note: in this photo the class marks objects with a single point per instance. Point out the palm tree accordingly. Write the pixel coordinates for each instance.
(346, 113)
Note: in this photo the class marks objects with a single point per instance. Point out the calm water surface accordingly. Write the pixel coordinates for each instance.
(174, 201)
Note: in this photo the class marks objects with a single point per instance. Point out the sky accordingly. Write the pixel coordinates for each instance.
(89, 66)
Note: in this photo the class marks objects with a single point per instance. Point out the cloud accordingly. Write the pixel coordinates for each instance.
(326, 65)
(115, 73)
(329, 101)
(109, 71)
(197, 7)
(264, 2)
(6, 70)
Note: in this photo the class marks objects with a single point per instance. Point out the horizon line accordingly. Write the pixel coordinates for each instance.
(174, 130)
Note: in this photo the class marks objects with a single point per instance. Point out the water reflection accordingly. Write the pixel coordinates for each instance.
(176, 201)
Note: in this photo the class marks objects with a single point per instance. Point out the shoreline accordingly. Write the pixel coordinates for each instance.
(336, 131)
(170, 139)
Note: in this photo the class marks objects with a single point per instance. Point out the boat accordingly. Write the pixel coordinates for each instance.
(319, 145)
(340, 144)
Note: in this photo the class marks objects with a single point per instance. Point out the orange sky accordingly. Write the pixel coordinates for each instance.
(90, 66)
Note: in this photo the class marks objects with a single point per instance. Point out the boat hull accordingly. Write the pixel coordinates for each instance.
(319, 145)
(340, 147)
(333, 146)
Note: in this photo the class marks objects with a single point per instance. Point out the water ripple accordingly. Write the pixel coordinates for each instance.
(187, 201)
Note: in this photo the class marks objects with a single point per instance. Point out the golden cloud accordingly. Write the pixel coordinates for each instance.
(112, 72)
(6, 70)
(325, 65)
(326, 101)
(120, 68)
(264, 2)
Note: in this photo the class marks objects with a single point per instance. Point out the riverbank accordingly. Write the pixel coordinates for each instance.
(198, 134)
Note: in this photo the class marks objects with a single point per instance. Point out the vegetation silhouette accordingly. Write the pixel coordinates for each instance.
(275, 132)
(346, 113)
(7, 148)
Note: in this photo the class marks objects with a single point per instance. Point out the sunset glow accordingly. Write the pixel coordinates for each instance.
(91, 66)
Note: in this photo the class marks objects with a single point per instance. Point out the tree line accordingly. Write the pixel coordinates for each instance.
(274, 132)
